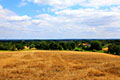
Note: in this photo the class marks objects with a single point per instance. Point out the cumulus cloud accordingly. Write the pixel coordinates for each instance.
(93, 23)
(57, 4)
(99, 3)
(5, 12)
(10, 20)
(18, 18)
(62, 4)
(88, 22)
(91, 17)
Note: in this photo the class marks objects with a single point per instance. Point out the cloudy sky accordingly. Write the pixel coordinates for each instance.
(59, 19)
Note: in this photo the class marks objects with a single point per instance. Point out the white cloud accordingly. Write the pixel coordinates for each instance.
(57, 4)
(98, 3)
(18, 18)
(5, 12)
(67, 23)
(62, 4)
(10, 20)
(93, 23)
(22, 4)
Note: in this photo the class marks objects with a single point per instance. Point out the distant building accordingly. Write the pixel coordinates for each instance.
(85, 44)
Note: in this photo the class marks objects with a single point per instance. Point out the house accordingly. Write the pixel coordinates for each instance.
(85, 44)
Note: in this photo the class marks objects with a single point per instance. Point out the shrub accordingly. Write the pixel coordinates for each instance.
(81, 50)
(94, 50)
(77, 49)
(106, 51)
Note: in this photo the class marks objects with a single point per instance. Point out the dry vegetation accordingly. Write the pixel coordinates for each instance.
(58, 65)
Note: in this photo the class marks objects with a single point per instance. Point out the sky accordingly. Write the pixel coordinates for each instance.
(59, 19)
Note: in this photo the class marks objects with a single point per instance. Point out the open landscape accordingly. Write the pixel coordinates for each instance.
(59, 39)
(58, 65)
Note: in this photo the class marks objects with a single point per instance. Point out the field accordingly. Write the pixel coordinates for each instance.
(58, 65)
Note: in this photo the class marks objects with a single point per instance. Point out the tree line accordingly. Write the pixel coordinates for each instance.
(42, 45)
(93, 45)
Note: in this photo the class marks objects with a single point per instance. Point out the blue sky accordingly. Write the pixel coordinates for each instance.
(59, 19)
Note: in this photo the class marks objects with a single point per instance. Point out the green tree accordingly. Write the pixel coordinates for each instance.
(32, 46)
(42, 45)
(13, 48)
(96, 45)
(19, 46)
(53, 46)
(114, 49)
(72, 44)
(63, 44)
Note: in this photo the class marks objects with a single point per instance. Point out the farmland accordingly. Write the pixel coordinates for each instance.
(58, 65)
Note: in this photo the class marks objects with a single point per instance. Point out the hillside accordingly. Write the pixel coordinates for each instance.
(58, 65)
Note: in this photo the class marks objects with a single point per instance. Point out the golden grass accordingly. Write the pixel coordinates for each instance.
(105, 48)
(58, 65)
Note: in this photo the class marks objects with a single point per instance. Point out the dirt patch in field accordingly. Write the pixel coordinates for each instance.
(105, 48)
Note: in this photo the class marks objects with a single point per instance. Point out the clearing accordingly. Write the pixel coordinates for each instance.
(58, 65)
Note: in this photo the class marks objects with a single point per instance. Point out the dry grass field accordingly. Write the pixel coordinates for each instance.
(58, 65)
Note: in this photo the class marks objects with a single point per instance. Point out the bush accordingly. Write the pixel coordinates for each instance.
(77, 49)
(81, 50)
(106, 51)
(94, 50)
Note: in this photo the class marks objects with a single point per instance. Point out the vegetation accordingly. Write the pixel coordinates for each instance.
(111, 46)
(96, 45)
(114, 49)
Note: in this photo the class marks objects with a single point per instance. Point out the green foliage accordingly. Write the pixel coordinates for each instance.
(106, 51)
(77, 49)
(96, 45)
(114, 49)
(53, 46)
(13, 48)
(103, 44)
(63, 44)
(32, 46)
(19, 46)
(83, 47)
(42, 45)
(60, 47)
(70, 45)
(94, 50)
